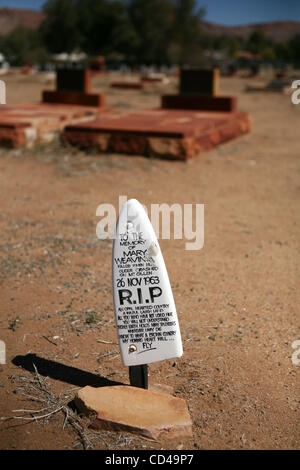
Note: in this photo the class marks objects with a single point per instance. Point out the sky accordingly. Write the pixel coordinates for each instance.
(228, 12)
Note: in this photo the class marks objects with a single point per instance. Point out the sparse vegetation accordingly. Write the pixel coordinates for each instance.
(13, 323)
(36, 389)
(47, 406)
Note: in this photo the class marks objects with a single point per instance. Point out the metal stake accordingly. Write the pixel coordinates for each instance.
(138, 376)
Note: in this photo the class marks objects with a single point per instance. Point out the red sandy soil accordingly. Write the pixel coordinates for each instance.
(237, 298)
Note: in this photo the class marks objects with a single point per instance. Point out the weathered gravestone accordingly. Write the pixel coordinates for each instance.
(194, 81)
(73, 86)
(198, 90)
(73, 80)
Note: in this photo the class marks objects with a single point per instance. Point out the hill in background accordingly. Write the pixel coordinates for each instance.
(11, 18)
(279, 31)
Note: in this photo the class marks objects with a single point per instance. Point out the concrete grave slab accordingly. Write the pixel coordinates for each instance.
(25, 125)
(175, 134)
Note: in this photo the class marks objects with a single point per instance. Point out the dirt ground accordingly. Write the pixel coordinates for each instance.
(237, 298)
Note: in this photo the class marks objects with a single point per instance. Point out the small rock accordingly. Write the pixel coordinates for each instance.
(147, 413)
(161, 388)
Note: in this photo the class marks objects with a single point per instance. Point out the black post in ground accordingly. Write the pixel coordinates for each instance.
(138, 376)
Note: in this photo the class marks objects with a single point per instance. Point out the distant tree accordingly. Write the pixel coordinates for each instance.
(187, 33)
(23, 47)
(269, 53)
(283, 51)
(150, 31)
(153, 22)
(94, 26)
(232, 44)
(60, 30)
(144, 31)
(208, 41)
(105, 27)
(168, 31)
(294, 49)
(258, 42)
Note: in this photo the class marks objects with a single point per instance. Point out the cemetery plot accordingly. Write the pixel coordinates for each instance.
(24, 125)
(176, 134)
(27, 124)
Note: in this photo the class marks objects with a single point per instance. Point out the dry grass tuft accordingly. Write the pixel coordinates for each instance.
(37, 389)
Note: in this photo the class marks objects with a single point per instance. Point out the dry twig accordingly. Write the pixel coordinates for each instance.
(37, 389)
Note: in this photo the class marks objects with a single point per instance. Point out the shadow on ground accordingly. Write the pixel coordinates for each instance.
(58, 371)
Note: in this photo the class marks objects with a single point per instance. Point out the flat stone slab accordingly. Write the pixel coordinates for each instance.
(147, 413)
(177, 134)
(25, 125)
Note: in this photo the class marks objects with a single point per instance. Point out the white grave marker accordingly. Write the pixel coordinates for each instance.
(145, 311)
